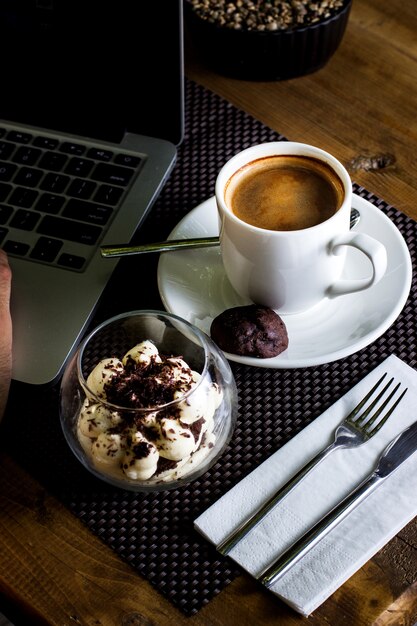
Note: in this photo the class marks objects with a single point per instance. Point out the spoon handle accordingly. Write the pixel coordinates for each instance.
(161, 246)
(108, 252)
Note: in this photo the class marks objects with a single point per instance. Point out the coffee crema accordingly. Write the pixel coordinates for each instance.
(284, 192)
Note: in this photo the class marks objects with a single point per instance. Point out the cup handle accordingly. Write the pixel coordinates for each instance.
(373, 249)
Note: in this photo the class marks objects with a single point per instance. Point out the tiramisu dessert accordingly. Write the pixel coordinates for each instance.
(136, 442)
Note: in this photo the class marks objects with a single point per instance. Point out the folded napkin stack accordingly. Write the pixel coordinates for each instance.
(353, 541)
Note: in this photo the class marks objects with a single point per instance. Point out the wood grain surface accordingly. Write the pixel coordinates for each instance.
(53, 570)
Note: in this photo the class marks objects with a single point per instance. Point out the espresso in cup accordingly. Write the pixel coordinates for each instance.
(285, 192)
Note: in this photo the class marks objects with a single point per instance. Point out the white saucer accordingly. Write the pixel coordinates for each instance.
(193, 285)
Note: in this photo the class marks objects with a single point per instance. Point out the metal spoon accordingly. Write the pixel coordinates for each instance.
(109, 252)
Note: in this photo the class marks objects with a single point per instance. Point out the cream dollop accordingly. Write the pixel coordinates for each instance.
(143, 352)
(97, 418)
(102, 375)
(141, 459)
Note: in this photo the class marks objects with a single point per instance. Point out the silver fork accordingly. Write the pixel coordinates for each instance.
(357, 428)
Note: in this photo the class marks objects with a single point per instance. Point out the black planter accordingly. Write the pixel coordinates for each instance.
(266, 55)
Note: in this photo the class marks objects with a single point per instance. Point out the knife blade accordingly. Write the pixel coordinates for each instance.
(396, 452)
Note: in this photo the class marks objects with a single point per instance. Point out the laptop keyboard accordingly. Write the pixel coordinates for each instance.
(58, 197)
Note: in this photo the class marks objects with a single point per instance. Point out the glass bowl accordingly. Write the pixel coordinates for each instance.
(148, 402)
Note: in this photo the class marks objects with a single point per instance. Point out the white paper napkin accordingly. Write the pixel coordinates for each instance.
(357, 538)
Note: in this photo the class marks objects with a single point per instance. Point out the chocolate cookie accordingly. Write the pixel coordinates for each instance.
(252, 330)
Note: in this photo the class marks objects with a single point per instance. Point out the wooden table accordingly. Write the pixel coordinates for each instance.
(52, 569)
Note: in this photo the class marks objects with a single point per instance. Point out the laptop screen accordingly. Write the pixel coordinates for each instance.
(92, 68)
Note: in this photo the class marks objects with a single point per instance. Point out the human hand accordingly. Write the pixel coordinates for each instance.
(5, 331)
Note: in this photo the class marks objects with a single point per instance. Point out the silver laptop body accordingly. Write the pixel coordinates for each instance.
(54, 295)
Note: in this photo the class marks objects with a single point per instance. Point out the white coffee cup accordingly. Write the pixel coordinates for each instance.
(292, 270)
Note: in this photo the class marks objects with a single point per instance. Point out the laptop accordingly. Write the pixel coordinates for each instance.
(91, 116)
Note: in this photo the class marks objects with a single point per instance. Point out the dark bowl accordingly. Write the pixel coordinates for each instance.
(266, 55)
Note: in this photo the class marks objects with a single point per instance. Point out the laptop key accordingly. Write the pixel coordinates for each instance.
(80, 188)
(5, 213)
(108, 194)
(46, 249)
(127, 159)
(53, 161)
(5, 189)
(69, 229)
(25, 220)
(48, 143)
(71, 261)
(28, 176)
(79, 167)
(87, 211)
(100, 154)
(55, 183)
(7, 170)
(50, 203)
(112, 174)
(23, 197)
(19, 137)
(72, 148)
(6, 149)
(26, 155)
(16, 247)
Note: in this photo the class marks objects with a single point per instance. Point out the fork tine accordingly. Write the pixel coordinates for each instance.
(364, 415)
(356, 418)
(353, 414)
(382, 421)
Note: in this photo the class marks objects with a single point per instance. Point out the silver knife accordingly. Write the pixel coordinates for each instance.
(400, 448)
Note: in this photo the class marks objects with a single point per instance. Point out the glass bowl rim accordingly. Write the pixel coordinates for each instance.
(201, 336)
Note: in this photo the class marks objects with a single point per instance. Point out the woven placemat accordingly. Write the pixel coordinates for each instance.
(154, 533)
